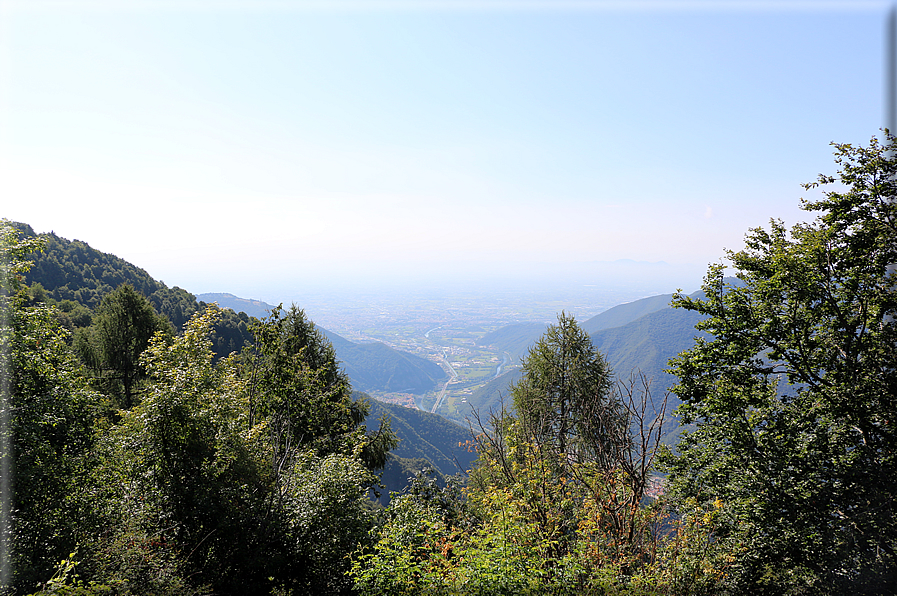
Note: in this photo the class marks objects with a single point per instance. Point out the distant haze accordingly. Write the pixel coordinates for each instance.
(275, 148)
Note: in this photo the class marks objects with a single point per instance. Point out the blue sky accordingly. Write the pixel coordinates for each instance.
(258, 147)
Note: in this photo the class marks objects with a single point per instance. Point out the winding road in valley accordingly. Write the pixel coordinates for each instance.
(453, 375)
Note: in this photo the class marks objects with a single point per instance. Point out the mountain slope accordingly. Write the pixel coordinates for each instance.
(489, 397)
(425, 441)
(626, 313)
(514, 339)
(72, 270)
(370, 366)
(647, 344)
(425, 435)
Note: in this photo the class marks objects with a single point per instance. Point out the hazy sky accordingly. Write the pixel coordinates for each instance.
(255, 147)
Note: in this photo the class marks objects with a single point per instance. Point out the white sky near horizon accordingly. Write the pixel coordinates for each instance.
(252, 148)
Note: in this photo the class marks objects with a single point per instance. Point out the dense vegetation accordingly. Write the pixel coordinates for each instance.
(147, 464)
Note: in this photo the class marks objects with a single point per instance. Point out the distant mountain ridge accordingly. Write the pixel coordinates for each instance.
(625, 313)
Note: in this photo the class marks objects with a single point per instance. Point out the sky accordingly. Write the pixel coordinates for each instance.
(263, 148)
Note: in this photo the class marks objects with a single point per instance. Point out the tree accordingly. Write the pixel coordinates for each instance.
(191, 485)
(121, 330)
(566, 396)
(298, 387)
(795, 397)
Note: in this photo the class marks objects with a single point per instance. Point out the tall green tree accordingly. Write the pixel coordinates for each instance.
(297, 385)
(795, 397)
(566, 396)
(121, 330)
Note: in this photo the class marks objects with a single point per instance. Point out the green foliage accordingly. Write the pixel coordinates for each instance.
(230, 333)
(326, 503)
(795, 396)
(647, 345)
(185, 460)
(525, 530)
(565, 398)
(47, 416)
(121, 330)
(424, 435)
(242, 475)
(398, 473)
(77, 278)
(297, 386)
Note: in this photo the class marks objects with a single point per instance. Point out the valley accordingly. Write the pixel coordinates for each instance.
(448, 330)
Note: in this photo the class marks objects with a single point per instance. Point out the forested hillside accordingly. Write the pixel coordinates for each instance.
(647, 345)
(73, 271)
(429, 436)
(77, 277)
(425, 441)
(376, 366)
(145, 463)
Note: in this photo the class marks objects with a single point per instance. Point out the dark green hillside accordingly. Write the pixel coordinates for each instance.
(77, 277)
(514, 339)
(377, 367)
(399, 470)
(72, 270)
(425, 441)
(645, 344)
(380, 367)
(425, 435)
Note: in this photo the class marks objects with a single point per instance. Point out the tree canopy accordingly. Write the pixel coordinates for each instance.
(565, 397)
(795, 397)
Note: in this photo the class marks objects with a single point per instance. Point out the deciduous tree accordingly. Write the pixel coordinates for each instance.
(121, 330)
(795, 397)
(46, 427)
